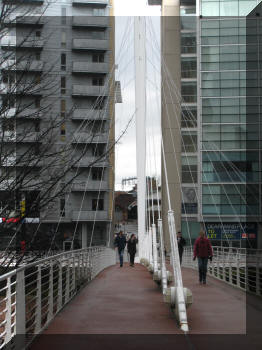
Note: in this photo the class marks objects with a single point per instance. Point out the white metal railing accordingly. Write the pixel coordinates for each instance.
(32, 295)
(238, 267)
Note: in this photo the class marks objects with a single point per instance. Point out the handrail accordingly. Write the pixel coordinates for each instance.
(32, 295)
(239, 267)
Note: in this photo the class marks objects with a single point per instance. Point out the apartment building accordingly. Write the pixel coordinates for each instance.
(209, 48)
(71, 49)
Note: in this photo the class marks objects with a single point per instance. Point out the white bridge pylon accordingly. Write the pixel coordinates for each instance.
(148, 254)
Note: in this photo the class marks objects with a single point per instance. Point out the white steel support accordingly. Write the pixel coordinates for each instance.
(155, 259)
(180, 298)
(140, 95)
(150, 247)
(163, 258)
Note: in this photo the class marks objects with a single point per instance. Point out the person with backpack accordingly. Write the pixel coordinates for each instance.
(202, 251)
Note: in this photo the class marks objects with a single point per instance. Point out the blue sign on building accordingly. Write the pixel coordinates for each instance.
(231, 231)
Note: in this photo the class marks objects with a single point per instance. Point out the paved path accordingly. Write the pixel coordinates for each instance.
(126, 301)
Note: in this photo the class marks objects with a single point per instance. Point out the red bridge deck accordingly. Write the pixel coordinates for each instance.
(127, 301)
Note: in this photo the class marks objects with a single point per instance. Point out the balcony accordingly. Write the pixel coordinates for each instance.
(36, 2)
(29, 113)
(90, 44)
(31, 66)
(90, 67)
(100, 215)
(85, 137)
(90, 21)
(23, 42)
(90, 186)
(12, 136)
(22, 89)
(27, 19)
(100, 3)
(90, 90)
(90, 114)
(91, 161)
(7, 184)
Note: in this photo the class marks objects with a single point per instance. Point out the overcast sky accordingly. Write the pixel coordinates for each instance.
(126, 149)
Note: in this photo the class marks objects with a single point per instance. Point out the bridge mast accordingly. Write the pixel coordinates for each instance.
(140, 98)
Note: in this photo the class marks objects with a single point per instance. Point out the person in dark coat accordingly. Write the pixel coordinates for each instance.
(131, 248)
(181, 242)
(202, 251)
(120, 243)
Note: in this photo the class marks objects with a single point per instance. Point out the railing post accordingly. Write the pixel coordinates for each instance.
(74, 275)
(20, 310)
(50, 294)
(38, 300)
(258, 273)
(8, 314)
(60, 287)
(238, 274)
(67, 284)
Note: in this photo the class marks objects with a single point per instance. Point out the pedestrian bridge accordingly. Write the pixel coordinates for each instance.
(85, 292)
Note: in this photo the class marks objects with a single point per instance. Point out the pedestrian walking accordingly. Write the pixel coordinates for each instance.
(131, 248)
(120, 243)
(202, 251)
(181, 242)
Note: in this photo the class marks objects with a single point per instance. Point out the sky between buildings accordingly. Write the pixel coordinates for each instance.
(126, 149)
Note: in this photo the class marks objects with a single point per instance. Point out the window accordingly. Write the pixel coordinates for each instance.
(63, 130)
(38, 79)
(37, 56)
(188, 43)
(188, 67)
(98, 81)
(189, 117)
(63, 16)
(8, 78)
(97, 150)
(8, 125)
(62, 207)
(99, 103)
(63, 39)
(189, 141)
(38, 33)
(8, 101)
(98, 12)
(97, 204)
(189, 91)
(97, 174)
(37, 126)
(63, 61)
(98, 35)
(63, 85)
(37, 102)
(189, 169)
(37, 149)
(63, 108)
(98, 57)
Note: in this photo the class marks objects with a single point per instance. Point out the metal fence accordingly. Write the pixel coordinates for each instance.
(32, 295)
(239, 267)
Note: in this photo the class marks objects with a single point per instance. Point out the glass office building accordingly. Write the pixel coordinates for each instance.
(229, 116)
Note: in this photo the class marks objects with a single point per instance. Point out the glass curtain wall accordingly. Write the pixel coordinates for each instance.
(230, 147)
(189, 124)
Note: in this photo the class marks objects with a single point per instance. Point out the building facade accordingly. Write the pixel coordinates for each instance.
(220, 171)
(71, 44)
